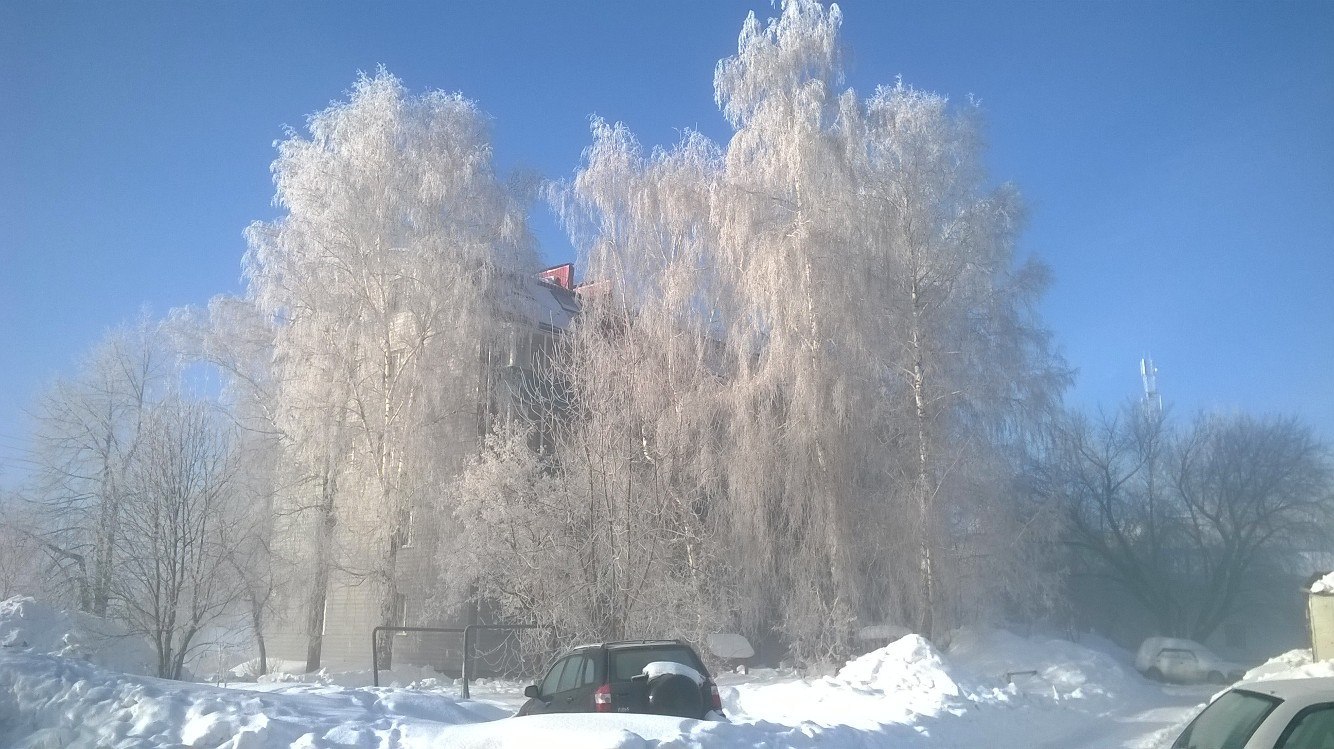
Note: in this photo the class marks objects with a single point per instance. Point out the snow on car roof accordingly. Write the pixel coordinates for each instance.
(1290, 689)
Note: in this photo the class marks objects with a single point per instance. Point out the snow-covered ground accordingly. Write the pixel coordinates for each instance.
(989, 689)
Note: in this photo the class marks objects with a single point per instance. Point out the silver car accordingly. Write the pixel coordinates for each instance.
(1279, 714)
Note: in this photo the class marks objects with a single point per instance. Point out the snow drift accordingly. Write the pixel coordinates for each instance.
(27, 624)
(904, 695)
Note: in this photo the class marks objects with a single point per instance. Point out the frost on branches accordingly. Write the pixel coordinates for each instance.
(398, 254)
(800, 388)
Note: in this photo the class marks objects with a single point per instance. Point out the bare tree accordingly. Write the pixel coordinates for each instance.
(235, 339)
(21, 554)
(174, 576)
(88, 432)
(621, 413)
(1184, 520)
(968, 365)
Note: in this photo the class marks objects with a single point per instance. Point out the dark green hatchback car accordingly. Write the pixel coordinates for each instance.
(664, 677)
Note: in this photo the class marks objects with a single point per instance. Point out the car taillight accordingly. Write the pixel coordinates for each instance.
(717, 699)
(602, 699)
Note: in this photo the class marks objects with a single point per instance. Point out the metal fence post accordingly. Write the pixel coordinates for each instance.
(375, 655)
(467, 656)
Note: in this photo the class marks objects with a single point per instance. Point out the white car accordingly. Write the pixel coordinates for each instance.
(1184, 661)
(1280, 714)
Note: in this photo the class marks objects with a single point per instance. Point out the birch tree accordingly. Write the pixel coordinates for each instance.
(796, 347)
(593, 511)
(397, 256)
(882, 358)
(969, 365)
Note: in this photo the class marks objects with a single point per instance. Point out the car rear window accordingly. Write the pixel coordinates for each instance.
(1228, 722)
(627, 663)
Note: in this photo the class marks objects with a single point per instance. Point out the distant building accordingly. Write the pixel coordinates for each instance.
(544, 307)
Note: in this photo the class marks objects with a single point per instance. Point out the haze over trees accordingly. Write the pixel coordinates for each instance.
(1192, 521)
(807, 392)
(134, 503)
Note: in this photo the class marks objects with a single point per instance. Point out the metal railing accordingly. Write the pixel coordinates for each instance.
(375, 643)
(468, 641)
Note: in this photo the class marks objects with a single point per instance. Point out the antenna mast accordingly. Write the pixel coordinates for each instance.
(1153, 400)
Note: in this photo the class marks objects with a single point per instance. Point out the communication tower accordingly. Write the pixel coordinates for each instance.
(1153, 400)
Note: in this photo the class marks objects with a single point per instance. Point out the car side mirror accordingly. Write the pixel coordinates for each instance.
(531, 692)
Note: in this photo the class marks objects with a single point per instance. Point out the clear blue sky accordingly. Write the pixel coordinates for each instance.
(1177, 157)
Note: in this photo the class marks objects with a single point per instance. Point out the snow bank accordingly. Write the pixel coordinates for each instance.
(897, 684)
(906, 695)
(47, 701)
(909, 664)
(30, 625)
(1062, 668)
(52, 701)
(249, 670)
(1294, 664)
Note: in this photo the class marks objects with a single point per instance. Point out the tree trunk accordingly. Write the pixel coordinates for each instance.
(922, 482)
(320, 587)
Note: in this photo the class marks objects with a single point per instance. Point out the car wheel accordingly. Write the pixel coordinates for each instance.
(1154, 673)
(1217, 678)
(674, 694)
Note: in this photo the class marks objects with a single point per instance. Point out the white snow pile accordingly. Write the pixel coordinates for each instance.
(909, 664)
(1294, 664)
(897, 684)
(57, 702)
(906, 695)
(1324, 586)
(1041, 665)
(279, 669)
(29, 625)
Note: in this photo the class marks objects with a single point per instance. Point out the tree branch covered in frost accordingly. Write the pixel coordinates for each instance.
(396, 260)
(807, 391)
(815, 343)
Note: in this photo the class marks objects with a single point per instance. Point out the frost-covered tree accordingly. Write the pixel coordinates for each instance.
(88, 430)
(21, 568)
(969, 369)
(884, 347)
(393, 265)
(592, 512)
(796, 326)
(864, 358)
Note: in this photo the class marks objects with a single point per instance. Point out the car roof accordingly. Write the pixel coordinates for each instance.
(1313, 688)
